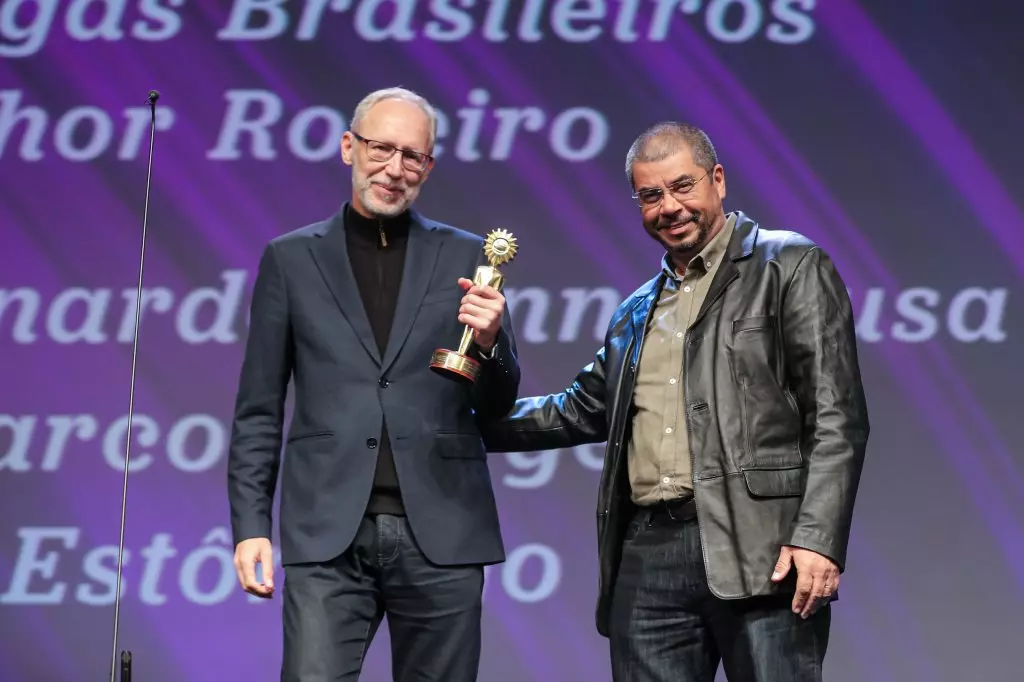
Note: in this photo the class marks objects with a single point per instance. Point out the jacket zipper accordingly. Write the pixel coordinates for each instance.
(380, 269)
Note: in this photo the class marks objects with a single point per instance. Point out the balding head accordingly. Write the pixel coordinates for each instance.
(397, 95)
(664, 139)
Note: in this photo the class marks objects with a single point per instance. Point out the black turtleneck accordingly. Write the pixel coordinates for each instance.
(376, 249)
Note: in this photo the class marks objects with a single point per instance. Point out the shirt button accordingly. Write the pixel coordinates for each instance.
(679, 335)
(666, 480)
(371, 443)
(668, 430)
(672, 380)
(687, 288)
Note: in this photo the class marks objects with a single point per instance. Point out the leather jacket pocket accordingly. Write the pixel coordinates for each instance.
(755, 351)
(749, 323)
(787, 482)
(771, 422)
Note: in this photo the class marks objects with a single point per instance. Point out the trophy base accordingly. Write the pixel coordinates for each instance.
(454, 365)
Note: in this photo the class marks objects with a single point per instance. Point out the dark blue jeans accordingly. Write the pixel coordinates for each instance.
(667, 626)
(332, 611)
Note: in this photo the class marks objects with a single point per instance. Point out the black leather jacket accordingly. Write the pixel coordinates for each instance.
(775, 413)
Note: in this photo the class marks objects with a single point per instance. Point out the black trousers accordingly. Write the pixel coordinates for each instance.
(333, 610)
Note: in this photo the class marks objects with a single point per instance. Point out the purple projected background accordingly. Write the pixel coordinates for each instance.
(888, 132)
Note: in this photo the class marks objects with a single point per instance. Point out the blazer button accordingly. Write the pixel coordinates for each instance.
(384, 383)
(371, 443)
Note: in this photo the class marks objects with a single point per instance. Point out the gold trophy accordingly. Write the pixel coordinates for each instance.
(499, 248)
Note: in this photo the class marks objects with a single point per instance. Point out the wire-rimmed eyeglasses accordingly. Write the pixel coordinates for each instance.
(382, 152)
(681, 189)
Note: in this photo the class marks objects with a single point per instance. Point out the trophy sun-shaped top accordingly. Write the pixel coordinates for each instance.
(500, 247)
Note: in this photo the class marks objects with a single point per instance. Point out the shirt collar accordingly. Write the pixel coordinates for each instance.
(709, 256)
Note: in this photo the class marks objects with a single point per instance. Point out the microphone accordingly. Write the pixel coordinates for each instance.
(126, 656)
(126, 666)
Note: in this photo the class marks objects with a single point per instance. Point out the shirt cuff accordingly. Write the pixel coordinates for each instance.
(488, 355)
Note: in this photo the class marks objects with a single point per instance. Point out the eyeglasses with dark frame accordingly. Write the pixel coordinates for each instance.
(382, 152)
(681, 190)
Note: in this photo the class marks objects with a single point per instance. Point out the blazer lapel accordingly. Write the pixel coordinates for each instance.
(420, 260)
(331, 255)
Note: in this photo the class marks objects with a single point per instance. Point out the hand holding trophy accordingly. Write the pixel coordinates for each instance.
(499, 248)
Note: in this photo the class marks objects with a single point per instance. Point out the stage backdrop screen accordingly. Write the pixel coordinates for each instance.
(888, 132)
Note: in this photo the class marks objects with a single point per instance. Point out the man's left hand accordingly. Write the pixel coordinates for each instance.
(481, 309)
(817, 578)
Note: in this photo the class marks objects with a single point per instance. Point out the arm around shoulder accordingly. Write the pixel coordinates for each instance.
(256, 434)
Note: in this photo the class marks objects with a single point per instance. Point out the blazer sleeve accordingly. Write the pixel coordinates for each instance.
(254, 452)
(497, 387)
(821, 353)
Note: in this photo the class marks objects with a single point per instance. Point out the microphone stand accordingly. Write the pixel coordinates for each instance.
(126, 656)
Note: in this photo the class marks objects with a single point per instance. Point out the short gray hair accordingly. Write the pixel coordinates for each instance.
(396, 93)
(665, 139)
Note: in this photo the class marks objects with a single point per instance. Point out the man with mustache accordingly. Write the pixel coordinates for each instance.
(729, 394)
(386, 499)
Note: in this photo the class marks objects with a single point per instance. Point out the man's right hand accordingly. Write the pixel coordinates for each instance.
(248, 553)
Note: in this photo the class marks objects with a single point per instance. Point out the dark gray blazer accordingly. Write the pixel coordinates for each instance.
(308, 325)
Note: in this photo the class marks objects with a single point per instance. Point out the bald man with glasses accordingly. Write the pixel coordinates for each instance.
(386, 503)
